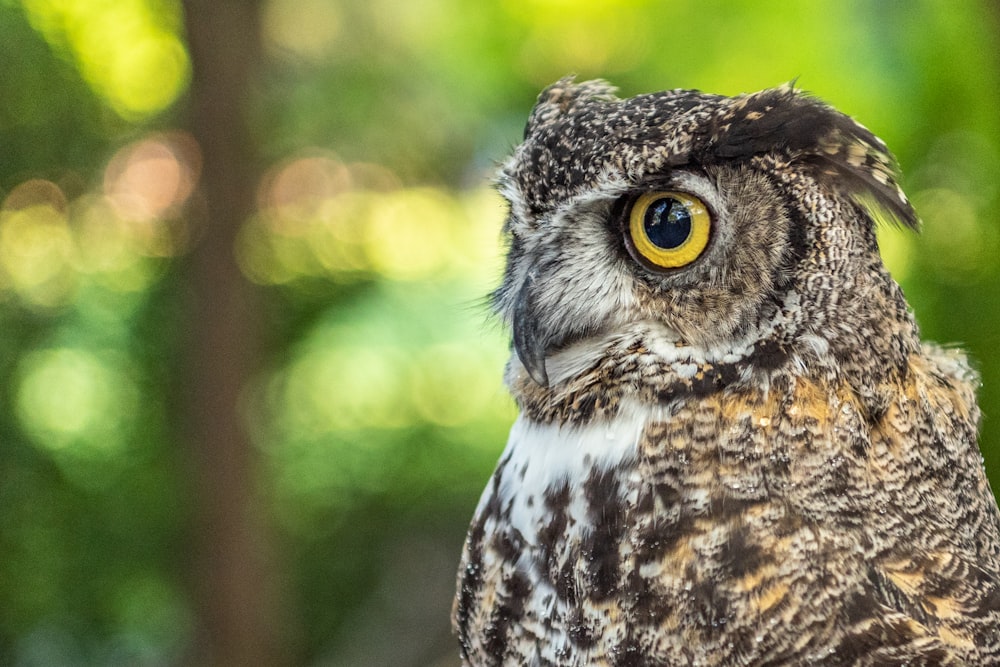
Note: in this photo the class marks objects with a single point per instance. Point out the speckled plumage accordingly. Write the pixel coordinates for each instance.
(751, 460)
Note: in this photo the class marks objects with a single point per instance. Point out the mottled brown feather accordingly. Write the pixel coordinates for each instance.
(752, 460)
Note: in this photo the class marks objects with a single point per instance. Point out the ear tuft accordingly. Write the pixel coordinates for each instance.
(845, 154)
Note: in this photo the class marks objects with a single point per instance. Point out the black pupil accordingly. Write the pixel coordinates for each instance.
(667, 223)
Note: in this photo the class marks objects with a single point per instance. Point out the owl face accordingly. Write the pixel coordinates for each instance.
(709, 217)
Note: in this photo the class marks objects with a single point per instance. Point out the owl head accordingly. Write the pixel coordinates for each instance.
(735, 227)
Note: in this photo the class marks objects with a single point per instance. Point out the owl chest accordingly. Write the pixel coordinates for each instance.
(592, 542)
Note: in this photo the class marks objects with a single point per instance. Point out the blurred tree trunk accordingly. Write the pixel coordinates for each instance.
(233, 582)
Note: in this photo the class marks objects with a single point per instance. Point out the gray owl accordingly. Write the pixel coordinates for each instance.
(733, 447)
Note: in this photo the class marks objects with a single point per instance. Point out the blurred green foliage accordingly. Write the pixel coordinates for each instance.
(380, 411)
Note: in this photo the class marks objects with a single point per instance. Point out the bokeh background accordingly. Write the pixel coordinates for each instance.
(251, 388)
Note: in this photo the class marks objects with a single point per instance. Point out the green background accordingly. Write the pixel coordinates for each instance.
(373, 409)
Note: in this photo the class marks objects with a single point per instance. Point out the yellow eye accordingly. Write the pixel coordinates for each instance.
(668, 229)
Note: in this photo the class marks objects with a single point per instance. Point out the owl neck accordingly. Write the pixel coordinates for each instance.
(870, 331)
(807, 337)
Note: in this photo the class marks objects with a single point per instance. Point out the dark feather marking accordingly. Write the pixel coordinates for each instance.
(990, 602)
(861, 606)
(630, 653)
(649, 606)
(766, 356)
(769, 354)
(556, 502)
(890, 596)
(711, 606)
(599, 547)
(580, 633)
(566, 588)
(741, 555)
(507, 613)
(508, 544)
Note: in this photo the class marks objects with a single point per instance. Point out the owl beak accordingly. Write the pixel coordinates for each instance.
(528, 341)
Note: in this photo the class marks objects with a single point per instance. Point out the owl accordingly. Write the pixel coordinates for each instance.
(733, 447)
